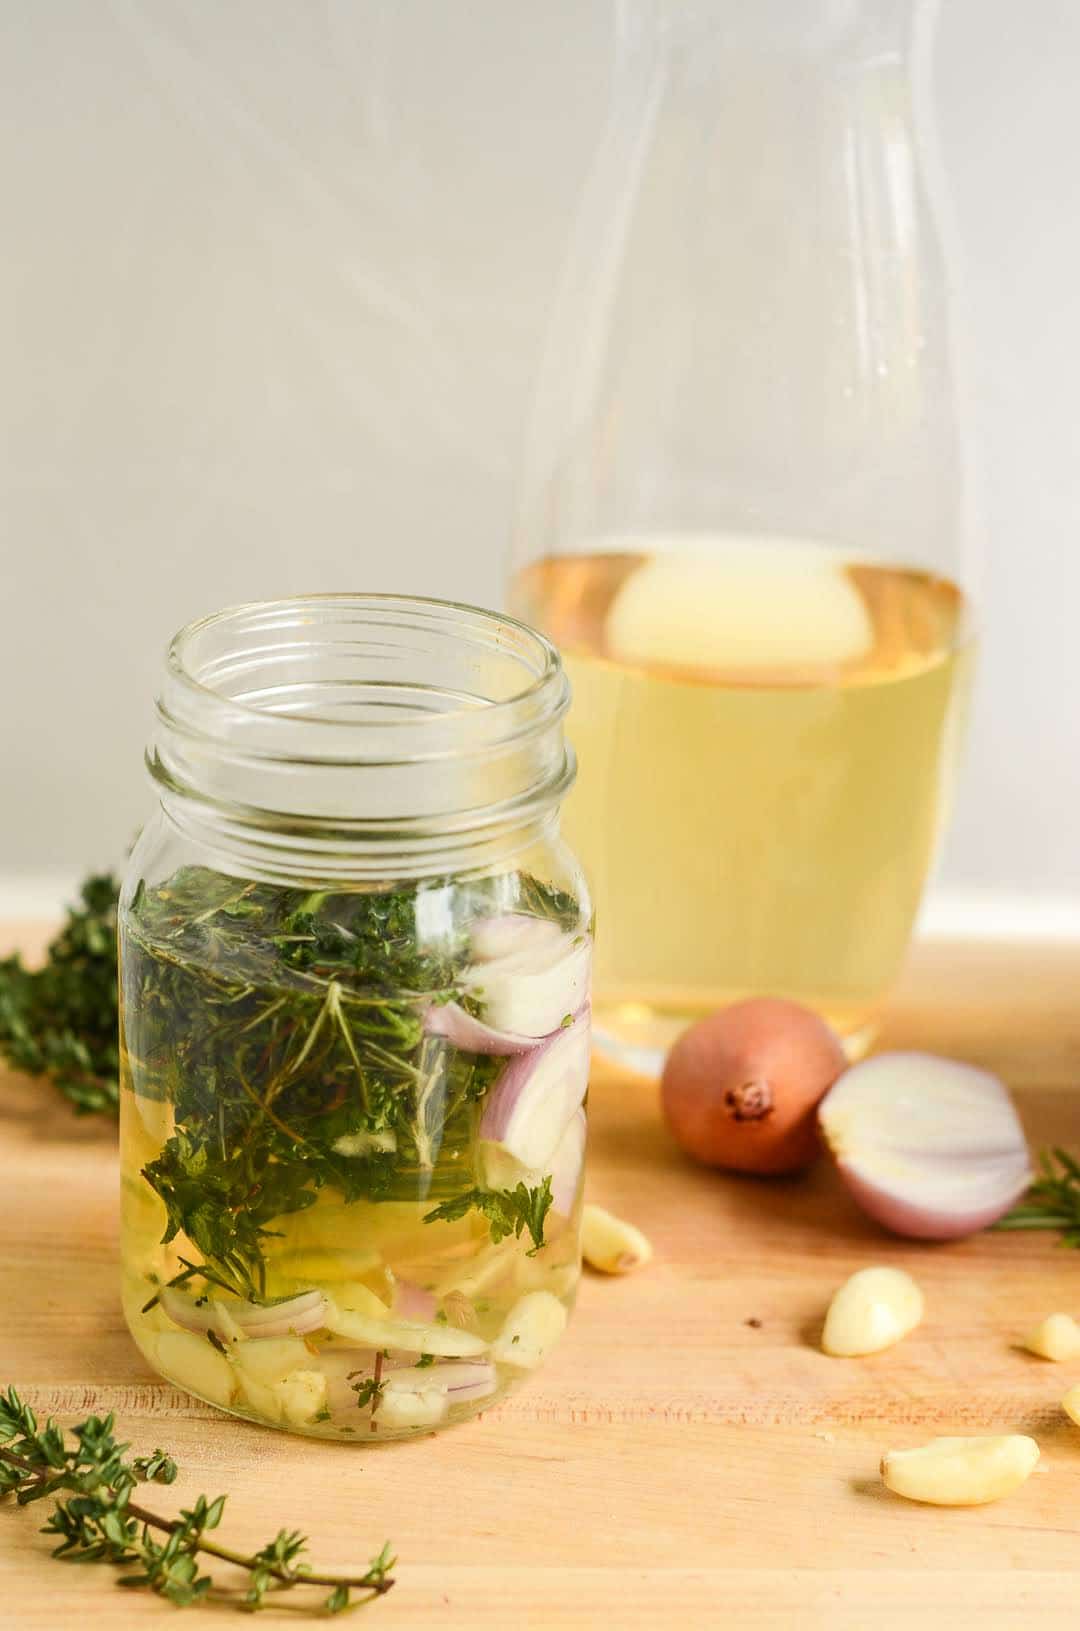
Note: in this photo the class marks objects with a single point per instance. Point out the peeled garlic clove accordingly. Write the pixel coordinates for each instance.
(611, 1245)
(192, 1363)
(1071, 1404)
(258, 1396)
(268, 1359)
(1057, 1337)
(302, 1396)
(961, 1471)
(411, 1407)
(532, 1328)
(871, 1311)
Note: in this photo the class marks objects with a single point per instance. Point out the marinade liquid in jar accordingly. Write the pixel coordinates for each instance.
(354, 961)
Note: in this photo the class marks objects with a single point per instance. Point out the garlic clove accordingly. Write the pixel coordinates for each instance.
(1056, 1337)
(961, 1471)
(411, 1407)
(268, 1359)
(532, 1328)
(1071, 1404)
(302, 1396)
(191, 1362)
(872, 1310)
(610, 1244)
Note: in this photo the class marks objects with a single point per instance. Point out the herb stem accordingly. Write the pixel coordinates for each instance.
(373, 1579)
(264, 1106)
(376, 1392)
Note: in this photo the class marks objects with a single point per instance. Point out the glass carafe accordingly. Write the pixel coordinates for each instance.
(743, 514)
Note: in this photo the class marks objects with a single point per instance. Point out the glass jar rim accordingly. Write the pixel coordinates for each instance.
(178, 649)
(362, 718)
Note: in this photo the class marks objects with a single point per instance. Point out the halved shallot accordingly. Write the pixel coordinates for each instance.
(929, 1147)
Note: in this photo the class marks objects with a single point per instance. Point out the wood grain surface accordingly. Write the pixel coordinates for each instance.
(688, 1457)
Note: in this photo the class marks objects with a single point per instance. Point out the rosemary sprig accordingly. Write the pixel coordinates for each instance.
(1053, 1201)
(101, 1523)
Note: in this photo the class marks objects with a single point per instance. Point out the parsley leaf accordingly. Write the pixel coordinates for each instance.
(508, 1211)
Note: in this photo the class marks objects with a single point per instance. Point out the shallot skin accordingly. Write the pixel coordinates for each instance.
(900, 1217)
(740, 1088)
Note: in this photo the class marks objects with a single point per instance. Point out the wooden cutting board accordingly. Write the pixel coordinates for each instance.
(688, 1457)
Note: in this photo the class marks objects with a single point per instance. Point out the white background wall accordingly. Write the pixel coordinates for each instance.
(273, 283)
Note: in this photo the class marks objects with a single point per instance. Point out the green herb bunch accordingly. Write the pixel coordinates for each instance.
(60, 1020)
(99, 1521)
(286, 1030)
(1053, 1201)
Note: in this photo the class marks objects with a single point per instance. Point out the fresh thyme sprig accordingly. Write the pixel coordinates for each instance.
(60, 1020)
(99, 1522)
(285, 1026)
(286, 1029)
(1053, 1201)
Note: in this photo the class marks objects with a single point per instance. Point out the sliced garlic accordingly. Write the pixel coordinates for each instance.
(961, 1471)
(610, 1244)
(408, 1335)
(871, 1311)
(1057, 1337)
(190, 1361)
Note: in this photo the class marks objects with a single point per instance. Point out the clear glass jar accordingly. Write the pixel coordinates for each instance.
(354, 959)
(744, 516)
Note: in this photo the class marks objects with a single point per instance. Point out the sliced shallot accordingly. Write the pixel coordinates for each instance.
(465, 1031)
(537, 1096)
(566, 1165)
(461, 1380)
(300, 1314)
(412, 1302)
(527, 973)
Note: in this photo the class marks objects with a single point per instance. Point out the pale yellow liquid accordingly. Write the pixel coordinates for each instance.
(759, 825)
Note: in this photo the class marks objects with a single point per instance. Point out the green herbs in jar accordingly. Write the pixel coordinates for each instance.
(352, 1135)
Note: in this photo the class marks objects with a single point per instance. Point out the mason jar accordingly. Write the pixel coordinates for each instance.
(354, 959)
